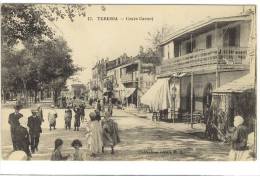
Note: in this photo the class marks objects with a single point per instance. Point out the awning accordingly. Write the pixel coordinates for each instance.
(120, 87)
(243, 84)
(127, 92)
(158, 96)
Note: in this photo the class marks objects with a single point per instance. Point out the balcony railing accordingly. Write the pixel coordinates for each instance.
(128, 78)
(204, 59)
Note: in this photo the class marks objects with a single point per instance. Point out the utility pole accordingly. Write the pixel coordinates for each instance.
(191, 102)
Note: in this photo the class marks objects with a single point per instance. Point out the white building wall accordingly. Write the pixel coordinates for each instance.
(168, 51)
(218, 40)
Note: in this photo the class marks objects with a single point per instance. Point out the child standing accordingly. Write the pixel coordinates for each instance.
(56, 154)
(77, 118)
(77, 155)
(67, 118)
(94, 135)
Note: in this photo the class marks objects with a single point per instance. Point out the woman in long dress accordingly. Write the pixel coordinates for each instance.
(94, 135)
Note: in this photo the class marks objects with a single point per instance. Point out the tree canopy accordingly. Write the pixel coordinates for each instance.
(45, 61)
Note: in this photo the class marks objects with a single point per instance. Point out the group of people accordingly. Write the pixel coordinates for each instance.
(98, 136)
(21, 138)
(99, 133)
(79, 117)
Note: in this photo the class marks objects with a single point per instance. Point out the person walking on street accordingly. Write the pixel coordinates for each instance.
(39, 112)
(23, 139)
(94, 135)
(52, 116)
(82, 111)
(238, 140)
(110, 107)
(67, 118)
(110, 132)
(98, 107)
(34, 124)
(13, 120)
(77, 118)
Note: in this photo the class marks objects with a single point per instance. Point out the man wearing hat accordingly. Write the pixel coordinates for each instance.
(34, 124)
(13, 120)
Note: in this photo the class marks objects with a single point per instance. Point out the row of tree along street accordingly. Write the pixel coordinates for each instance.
(33, 58)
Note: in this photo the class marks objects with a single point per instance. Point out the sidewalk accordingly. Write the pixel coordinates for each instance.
(198, 129)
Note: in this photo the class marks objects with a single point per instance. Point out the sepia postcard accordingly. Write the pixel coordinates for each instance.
(99, 82)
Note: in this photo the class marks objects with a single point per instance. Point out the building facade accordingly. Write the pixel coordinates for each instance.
(209, 54)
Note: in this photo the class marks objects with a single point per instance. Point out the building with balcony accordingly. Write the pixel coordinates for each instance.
(98, 76)
(202, 57)
(138, 77)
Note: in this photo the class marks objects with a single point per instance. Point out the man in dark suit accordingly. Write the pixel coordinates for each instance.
(34, 124)
(13, 120)
(23, 140)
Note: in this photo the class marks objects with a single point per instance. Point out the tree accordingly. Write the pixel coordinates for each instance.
(55, 64)
(30, 22)
(39, 62)
(157, 36)
(46, 65)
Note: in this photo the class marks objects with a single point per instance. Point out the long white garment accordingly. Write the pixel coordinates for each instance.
(94, 137)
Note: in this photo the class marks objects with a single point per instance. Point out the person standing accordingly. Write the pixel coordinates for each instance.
(57, 154)
(94, 135)
(67, 118)
(110, 132)
(34, 123)
(238, 140)
(78, 155)
(52, 116)
(13, 120)
(77, 118)
(110, 107)
(98, 107)
(23, 140)
(39, 112)
(82, 111)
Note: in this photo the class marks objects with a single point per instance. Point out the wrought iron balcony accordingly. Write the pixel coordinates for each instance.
(208, 60)
(128, 78)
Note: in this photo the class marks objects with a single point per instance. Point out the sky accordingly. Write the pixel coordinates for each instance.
(91, 40)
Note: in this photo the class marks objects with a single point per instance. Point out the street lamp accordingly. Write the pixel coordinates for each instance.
(173, 97)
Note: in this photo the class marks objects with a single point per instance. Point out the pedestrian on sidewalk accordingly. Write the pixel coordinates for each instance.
(13, 120)
(78, 155)
(57, 154)
(110, 107)
(39, 112)
(23, 139)
(67, 118)
(94, 135)
(34, 124)
(77, 118)
(82, 111)
(52, 116)
(110, 134)
(238, 140)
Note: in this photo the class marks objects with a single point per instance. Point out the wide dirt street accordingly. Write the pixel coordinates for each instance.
(141, 139)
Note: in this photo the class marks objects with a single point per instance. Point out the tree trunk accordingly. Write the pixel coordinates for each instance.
(41, 94)
(35, 95)
(25, 93)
